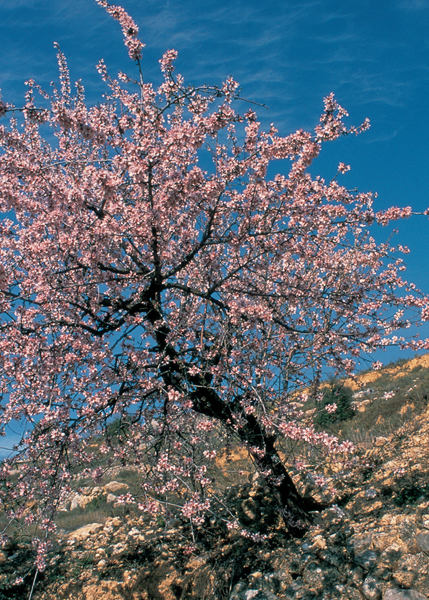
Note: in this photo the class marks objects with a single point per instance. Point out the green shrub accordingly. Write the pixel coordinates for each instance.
(340, 395)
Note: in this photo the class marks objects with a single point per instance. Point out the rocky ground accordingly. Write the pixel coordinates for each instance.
(373, 544)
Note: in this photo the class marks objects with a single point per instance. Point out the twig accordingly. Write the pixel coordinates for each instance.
(34, 583)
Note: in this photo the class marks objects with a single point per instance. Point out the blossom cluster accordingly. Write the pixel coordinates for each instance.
(129, 28)
(195, 509)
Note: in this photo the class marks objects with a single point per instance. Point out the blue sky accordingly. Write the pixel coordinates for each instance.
(288, 54)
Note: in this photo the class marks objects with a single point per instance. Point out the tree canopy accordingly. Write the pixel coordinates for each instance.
(154, 271)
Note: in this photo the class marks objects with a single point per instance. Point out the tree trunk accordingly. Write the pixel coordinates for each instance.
(295, 508)
(206, 401)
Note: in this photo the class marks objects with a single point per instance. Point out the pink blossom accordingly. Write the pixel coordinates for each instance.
(167, 60)
(342, 168)
(129, 28)
(392, 214)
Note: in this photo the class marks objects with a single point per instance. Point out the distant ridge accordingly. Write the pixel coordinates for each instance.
(396, 370)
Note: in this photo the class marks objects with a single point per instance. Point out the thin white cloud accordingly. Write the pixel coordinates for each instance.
(385, 137)
(413, 5)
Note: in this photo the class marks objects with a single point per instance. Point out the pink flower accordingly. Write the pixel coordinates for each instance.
(129, 28)
(167, 60)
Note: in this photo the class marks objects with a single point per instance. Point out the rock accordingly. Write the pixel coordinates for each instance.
(115, 486)
(361, 542)
(83, 498)
(422, 540)
(412, 571)
(372, 588)
(354, 552)
(383, 540)
(367, 559)
(397, 594)
(107, 590)
(254, 595)
(294, 589)
(250, 511)
(112, 524)
(372, 507)
(319, 542)
(86, 531)
(390, 556)
(118, 549)
(342, 593)
(407, 532)
(379, 442)
(314, 576)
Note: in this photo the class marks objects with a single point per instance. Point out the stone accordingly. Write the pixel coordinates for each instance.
(108, 590)
(258, 595)
(412, 571)
(319, 542)
(390, 556)
(250, 510)
(367, 559)
(113, 523)
(314, 576)
(241, 593)
(86, 531)
(397, 594)
(118, 549)
(79, 501)
(407, 531)
(373, 507)
(294, 589)
(422, 540)
(115, 486)
(343, 593)
(372, 588)
(383, 540)
(361, 542)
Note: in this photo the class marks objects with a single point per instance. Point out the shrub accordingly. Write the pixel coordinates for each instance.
(339, 395)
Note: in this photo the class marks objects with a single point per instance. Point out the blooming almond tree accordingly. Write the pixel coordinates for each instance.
(153, 273)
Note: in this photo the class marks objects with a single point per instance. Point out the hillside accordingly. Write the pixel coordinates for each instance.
(372, 543)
